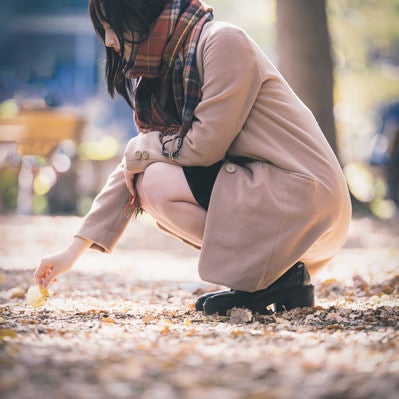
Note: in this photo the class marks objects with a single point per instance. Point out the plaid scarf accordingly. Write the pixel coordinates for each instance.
(167, 59)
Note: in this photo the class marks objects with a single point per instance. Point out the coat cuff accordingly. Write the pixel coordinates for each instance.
(143, 150)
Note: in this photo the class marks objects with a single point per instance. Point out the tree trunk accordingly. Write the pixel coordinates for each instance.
(304, 50)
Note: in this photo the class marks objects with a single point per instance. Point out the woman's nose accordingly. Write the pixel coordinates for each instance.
(111, 40)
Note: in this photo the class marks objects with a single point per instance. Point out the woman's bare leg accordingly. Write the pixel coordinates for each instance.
(164, 194)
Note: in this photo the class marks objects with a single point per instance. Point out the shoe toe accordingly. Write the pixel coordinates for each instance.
(199, 303)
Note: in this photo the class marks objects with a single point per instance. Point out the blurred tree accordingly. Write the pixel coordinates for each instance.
(304, 52)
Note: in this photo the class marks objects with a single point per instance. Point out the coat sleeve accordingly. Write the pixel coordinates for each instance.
(231, 82)
(108, 218)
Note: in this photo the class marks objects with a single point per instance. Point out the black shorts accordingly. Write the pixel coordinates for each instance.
(201, 180)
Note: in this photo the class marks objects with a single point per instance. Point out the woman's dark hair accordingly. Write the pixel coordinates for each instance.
(122, 16)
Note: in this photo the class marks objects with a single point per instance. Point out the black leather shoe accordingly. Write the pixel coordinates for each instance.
(293, 289)
(288, 278)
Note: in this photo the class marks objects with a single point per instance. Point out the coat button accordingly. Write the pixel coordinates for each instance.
(230, 168)
(138, 155)
(145, 155)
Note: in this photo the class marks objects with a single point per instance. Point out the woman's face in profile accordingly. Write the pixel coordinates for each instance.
(111, 40)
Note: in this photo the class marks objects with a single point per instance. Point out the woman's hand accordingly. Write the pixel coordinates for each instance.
(60, 262)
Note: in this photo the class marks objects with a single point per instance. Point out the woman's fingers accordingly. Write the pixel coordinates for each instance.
(47, 280)
(42, 273)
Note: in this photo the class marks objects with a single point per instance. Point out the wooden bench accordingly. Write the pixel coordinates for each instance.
(38, 132)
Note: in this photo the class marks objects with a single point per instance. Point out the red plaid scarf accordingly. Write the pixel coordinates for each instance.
(167, 59)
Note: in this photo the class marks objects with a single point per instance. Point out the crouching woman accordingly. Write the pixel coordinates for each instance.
(228, 158)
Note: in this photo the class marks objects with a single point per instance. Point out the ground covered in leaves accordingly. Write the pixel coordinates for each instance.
(124, 326)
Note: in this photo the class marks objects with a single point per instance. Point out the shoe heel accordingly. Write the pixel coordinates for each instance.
(299, 298)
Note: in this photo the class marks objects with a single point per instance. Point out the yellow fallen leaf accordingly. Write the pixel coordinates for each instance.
(18, 292)
(268, 331)
(310, 366)
(108, 320)
(7, 333)
(165, 330)
(148, 319)
(388, 289)
(330, 281)
(37, 296)
(28, 321)
(236, 333)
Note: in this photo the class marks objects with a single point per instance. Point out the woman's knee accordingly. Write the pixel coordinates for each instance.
(149, 185)
(161, 185)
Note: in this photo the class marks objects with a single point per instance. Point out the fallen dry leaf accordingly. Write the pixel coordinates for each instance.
(7, 333)
(240, 315)
(17, 292)
(108, 320)
(118, 335)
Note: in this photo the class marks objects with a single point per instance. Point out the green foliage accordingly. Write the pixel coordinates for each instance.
(365, 37)
(8, 189)
(365, 41)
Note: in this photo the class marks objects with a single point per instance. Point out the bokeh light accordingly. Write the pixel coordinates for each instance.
(43, 182)
(383, 208)
(8, 108)
(61, 162)
(105, 148)
(360, 181)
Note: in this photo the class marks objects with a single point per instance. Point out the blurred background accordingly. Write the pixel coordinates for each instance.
(61, 134)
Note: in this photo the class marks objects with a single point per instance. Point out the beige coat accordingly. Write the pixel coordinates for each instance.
(290, 203)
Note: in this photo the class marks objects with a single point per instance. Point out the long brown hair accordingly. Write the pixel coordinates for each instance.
(123, 16)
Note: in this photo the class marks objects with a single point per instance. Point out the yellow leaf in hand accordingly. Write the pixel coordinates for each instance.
(37, 296)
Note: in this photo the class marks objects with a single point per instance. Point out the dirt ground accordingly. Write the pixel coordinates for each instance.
(123, 325)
